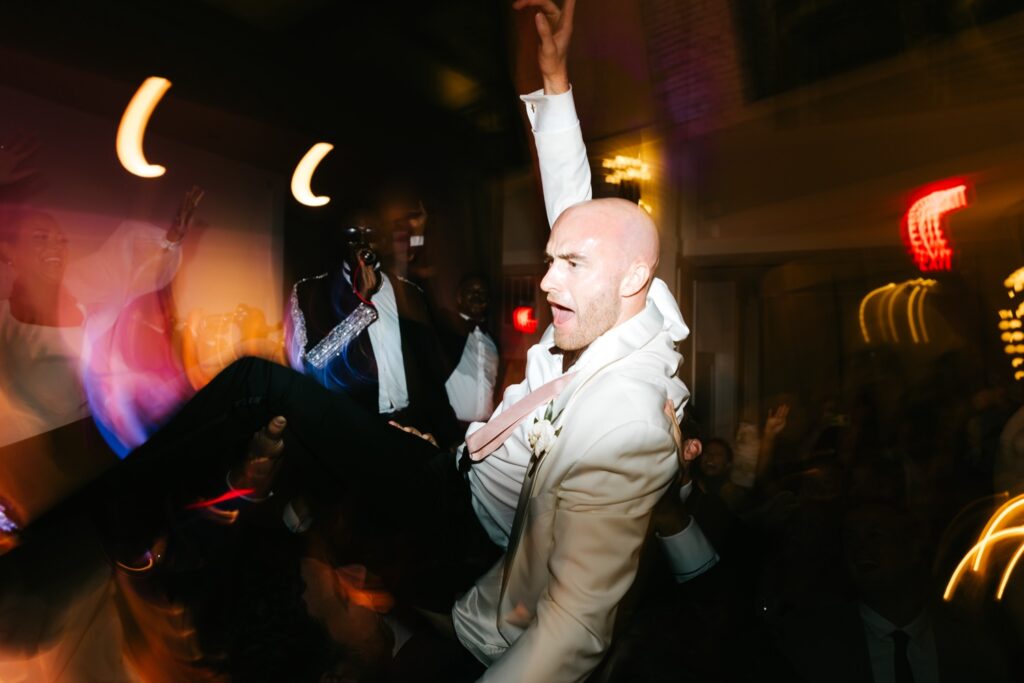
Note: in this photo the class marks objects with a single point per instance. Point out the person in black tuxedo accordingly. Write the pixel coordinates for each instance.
(371, 336)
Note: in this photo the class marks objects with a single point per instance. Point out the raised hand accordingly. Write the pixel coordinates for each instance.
(13, 155)
(776, 421)
(554, 27)
(186, 212)
(366, 281)
(687, 450)
(261, 461)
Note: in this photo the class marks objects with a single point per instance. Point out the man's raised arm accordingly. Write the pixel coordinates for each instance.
(564, 168)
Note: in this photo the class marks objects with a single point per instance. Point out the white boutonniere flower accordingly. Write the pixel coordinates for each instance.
(542, 437)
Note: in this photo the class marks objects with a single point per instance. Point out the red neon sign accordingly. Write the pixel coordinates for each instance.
(922, 227)
(523, 320)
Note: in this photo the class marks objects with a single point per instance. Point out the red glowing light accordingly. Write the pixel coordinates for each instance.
(230, 495)
(523, 320)
(922, 228)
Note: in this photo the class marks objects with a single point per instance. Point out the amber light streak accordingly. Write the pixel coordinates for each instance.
(886, 299)
(1002, 526)
(303, 175)
(133, 128)
(923, 231)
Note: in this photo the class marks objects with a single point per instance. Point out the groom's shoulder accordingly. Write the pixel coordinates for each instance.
(624, 393)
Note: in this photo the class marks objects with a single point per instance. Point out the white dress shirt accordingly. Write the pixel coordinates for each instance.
(470, 387)
(386, 340)
(921, 651)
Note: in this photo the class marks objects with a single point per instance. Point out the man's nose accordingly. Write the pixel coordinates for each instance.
(548, 284)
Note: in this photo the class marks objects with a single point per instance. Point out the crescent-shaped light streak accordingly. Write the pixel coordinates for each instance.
(979, 547)
(863, 309)
(890, 309)
(910, 311)
(994, 523)
(133, 128)
(1008, 571)
(920, 314)
(304, 174)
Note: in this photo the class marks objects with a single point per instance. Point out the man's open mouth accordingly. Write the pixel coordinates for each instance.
(561, 314)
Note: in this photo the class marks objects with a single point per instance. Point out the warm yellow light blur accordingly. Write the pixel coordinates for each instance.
(979, 547)
(1011, 323)
(890, 308)
(211, 342)
(625, 168)
(304, 174)
(920, 309)
(996, 530)
(1001, 514)
(864, 305)
(910, 313)
(133, 127)
(884, 317)
(1015, 280)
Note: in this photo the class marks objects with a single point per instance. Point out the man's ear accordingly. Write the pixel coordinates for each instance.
(637, 276)
(692, 448)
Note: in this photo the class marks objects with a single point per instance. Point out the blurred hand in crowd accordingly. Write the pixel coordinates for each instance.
(13, 155)
(185, 215)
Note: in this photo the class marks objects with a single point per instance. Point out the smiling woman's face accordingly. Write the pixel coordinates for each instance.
(38, 251)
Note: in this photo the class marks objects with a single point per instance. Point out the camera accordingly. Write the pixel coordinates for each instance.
(359, 254)
(358, 247)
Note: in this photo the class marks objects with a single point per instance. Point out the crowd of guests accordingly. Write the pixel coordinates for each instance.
(835, 560)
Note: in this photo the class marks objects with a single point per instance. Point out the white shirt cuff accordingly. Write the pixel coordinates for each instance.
(689, 552)
(685, 490)
(550, 113)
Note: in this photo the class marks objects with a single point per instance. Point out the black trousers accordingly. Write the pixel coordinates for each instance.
(399, 486)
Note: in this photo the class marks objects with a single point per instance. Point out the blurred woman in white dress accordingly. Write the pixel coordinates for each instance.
(57, 315)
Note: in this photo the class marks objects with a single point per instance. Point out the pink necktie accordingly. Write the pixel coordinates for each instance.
(488, 438)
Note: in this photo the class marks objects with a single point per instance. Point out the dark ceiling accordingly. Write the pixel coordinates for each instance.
(389, 82)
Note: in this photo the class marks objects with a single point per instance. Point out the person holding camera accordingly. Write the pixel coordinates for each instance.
(368, 333)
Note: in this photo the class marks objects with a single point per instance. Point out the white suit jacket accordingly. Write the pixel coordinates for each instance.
(545, 612)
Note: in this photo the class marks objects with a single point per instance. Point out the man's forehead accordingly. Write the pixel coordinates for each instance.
(574, 237)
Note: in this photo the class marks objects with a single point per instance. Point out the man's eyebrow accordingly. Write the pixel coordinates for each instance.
(570, 256)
